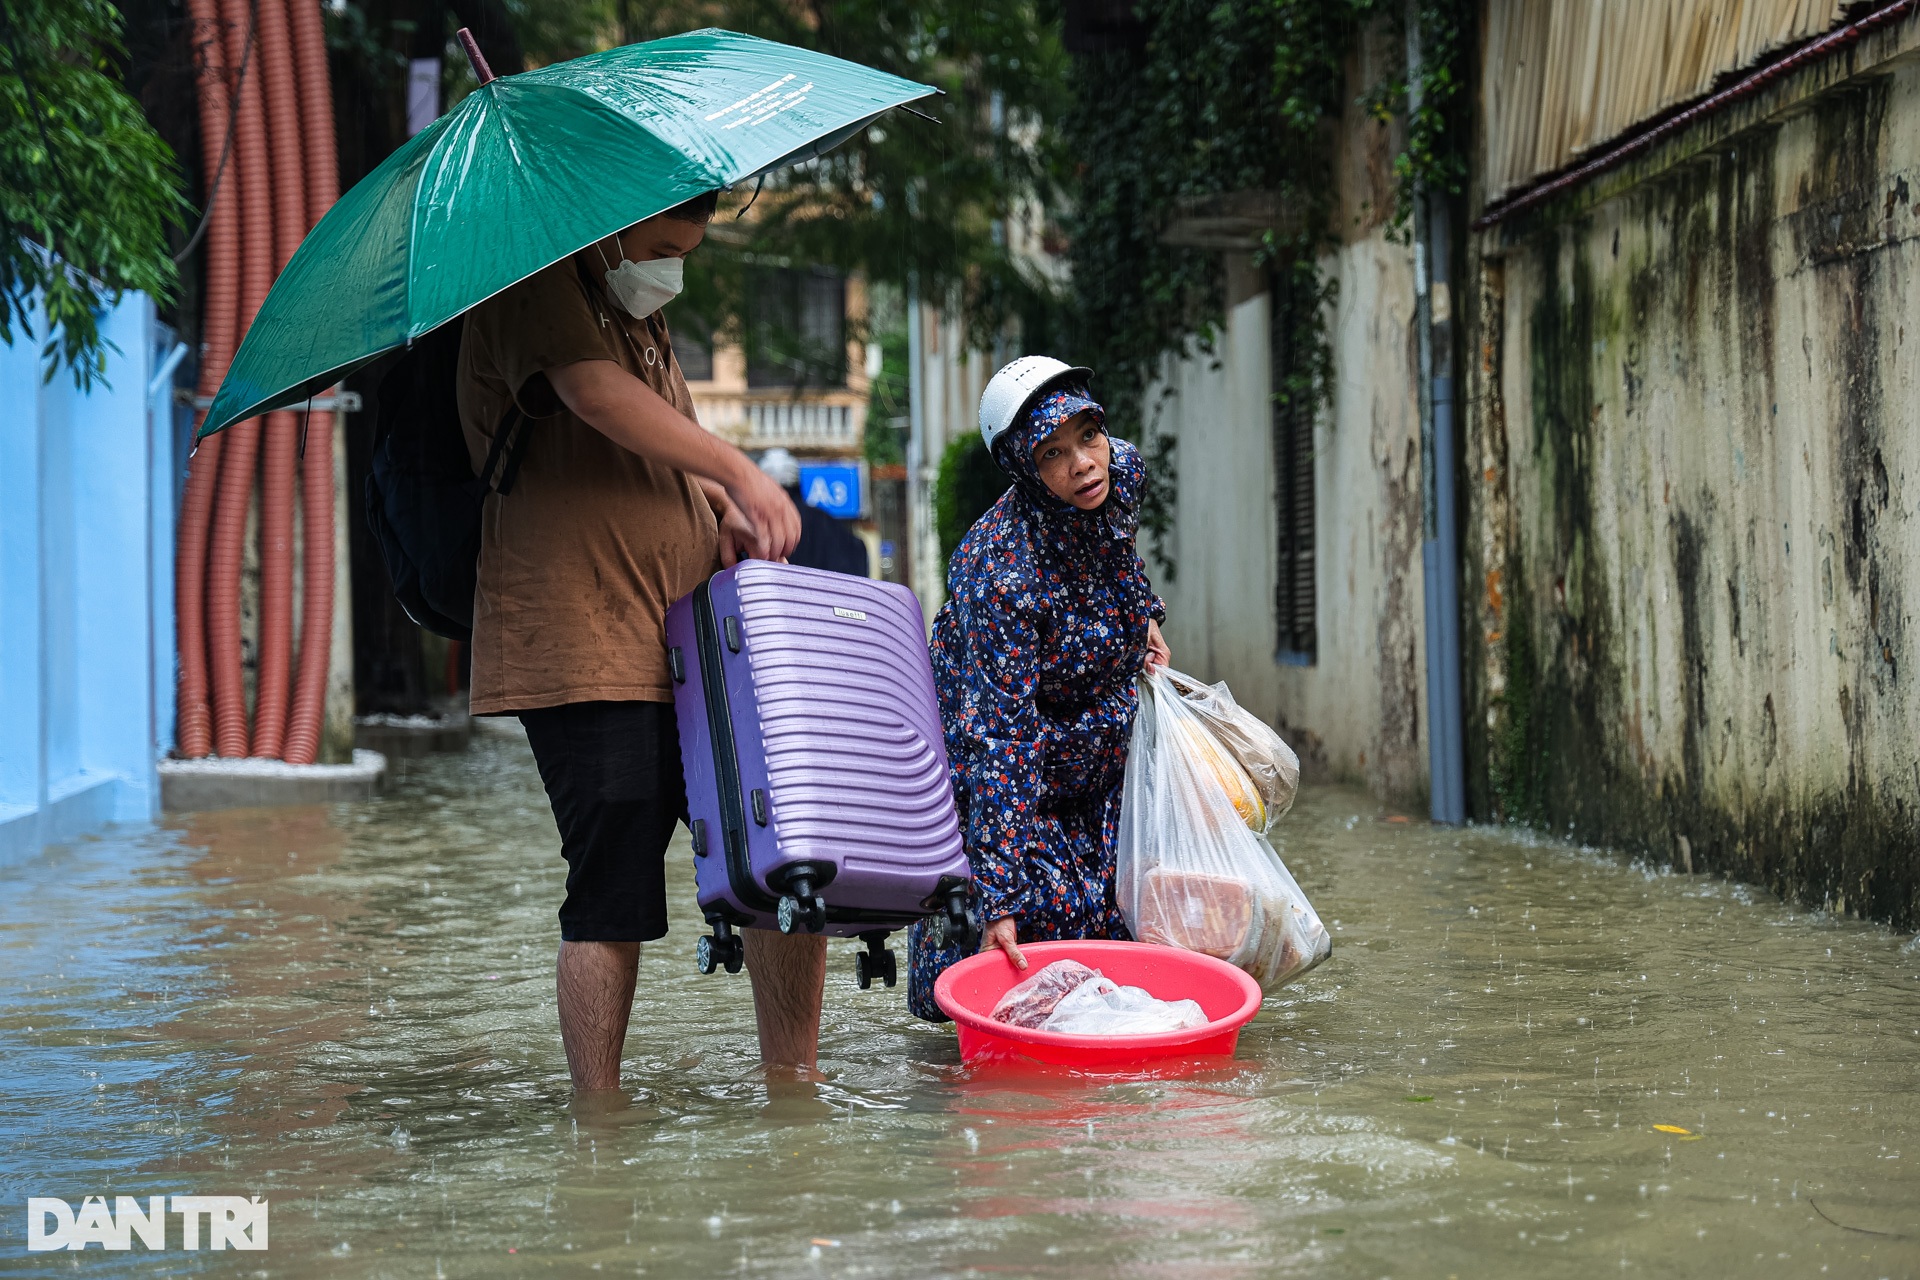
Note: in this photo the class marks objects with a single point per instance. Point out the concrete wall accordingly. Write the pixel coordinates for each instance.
(88, 486)
(1359, 712)
(1694, 481)
(945, 380)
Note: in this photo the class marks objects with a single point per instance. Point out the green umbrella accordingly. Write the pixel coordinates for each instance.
(528, 169)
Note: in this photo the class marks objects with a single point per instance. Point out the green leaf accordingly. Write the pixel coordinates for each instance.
(87, 188)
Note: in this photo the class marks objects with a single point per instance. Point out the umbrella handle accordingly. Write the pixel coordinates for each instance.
(472, 46)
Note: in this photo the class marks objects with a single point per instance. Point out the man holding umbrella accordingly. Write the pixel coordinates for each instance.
(622, 504)
(508, 209)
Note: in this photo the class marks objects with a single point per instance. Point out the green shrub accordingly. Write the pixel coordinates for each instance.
(968, 483)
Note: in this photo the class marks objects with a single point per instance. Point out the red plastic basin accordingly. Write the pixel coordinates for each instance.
(967, 992)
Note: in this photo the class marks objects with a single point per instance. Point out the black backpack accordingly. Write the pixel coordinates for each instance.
(423, 500)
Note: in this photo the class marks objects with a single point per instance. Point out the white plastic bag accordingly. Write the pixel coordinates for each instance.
(1068, 996)
(1194, 866)
(1269, 764)
(1102, 1007)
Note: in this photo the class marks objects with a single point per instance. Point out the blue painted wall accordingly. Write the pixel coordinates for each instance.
(89, 487)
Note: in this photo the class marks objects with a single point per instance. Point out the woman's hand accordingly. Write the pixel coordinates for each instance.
(1004, 934)
(1158, 655)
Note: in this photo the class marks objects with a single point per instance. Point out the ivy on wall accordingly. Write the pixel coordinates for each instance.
(1224, 96)
(1432, 158)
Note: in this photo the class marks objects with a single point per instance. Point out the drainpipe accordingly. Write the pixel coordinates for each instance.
(1440, 544)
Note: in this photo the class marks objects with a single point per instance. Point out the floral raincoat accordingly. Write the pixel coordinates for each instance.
(1035, 656)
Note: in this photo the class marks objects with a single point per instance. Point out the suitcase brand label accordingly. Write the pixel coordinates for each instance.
(855, 614)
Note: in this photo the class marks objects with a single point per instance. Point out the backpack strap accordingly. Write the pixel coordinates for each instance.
(509, 446)
(509, 439)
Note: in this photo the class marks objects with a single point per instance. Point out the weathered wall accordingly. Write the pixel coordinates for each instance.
(1693, 470)
(1358, 713)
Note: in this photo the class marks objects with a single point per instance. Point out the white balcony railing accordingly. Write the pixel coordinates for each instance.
(756, 423)
(798, 422)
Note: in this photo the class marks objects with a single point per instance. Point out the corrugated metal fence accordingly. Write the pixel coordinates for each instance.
(1562, 78)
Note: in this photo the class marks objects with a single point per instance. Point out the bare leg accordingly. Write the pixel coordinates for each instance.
(595, 981)
(789, 973)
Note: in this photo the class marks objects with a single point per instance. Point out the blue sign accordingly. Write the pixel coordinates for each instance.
(833, 487)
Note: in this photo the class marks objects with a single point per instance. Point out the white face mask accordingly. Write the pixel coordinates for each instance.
(645, 287)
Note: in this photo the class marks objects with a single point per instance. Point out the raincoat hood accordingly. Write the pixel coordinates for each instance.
(1117, 517)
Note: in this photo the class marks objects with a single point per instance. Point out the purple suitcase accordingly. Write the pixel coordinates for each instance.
(817, 786)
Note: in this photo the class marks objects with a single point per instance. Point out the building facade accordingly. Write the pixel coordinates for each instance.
(1687, 526)
(793, 393)
(1295, 571)
(1691, 420)
(89, 483)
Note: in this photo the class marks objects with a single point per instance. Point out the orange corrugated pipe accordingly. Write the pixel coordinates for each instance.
(274, 684)
(273, 687)
(217, 338)
(247, 169)
(316, 491)
(316, 106)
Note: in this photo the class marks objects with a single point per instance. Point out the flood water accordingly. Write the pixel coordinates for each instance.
(349, 1011)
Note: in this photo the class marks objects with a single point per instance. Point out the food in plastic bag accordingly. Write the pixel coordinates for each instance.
(1208, 914)
(1233, 779)
(1190, 870)
(1102, 1007)
(1030, 1002)
(1268, 762)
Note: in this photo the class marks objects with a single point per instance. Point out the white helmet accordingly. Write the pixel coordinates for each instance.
(780, 467)
(1014, 389)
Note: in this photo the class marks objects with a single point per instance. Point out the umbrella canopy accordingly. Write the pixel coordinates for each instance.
(528, 169)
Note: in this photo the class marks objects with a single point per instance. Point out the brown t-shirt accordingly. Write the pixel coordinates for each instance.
(579, 562)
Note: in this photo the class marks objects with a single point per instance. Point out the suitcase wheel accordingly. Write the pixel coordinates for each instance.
(875, 962)
(884, 966)
(715, 952)
(810, 911)
(959, 925)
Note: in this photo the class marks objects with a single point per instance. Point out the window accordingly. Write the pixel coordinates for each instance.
(797, 329)
(1294, 601)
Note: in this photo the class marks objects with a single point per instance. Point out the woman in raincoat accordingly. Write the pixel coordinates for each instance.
(1049, 621)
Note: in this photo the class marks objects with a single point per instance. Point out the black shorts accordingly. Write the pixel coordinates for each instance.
(612, 772)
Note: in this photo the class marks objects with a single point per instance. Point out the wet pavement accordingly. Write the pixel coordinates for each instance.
(349, 1012)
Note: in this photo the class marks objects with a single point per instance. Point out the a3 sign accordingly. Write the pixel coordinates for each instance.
(837, 488)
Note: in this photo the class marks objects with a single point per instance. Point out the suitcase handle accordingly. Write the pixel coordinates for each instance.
(732, 835)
